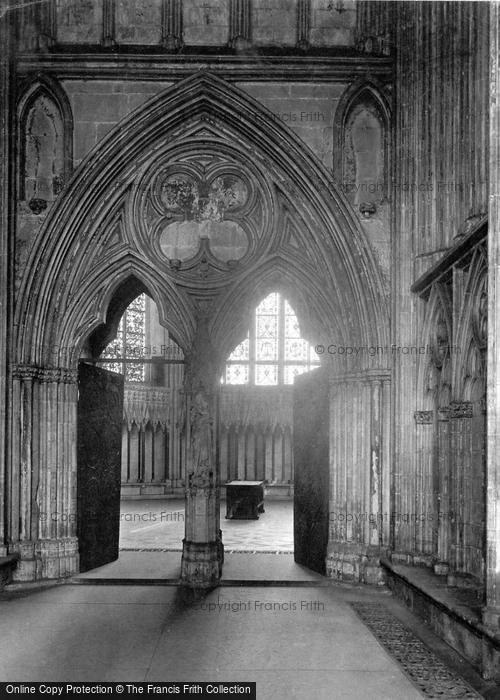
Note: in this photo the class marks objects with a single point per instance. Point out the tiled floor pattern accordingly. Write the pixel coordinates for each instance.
(421, 665)
(159, 524)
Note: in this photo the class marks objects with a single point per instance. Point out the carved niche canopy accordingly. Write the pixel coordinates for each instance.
(203, 214)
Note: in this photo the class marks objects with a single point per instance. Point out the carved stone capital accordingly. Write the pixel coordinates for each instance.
(460, 409)
(171, 20)
(25, 372)
(59, 375)
(240, 26)
(423, 417)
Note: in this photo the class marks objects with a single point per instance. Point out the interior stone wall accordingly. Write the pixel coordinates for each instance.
(440, 199)
(129, 22)
(308, 109)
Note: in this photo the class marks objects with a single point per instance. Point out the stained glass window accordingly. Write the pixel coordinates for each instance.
(130, 342)
(273, 352)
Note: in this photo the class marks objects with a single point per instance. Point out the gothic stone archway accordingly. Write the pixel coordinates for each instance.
(206, 200)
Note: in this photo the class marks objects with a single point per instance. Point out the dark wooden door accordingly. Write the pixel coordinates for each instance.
(311, 466)
(99, 442)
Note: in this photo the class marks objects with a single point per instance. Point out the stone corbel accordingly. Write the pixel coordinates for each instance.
(303, 24)
(171, 23)
(240, 24)
(108, 23)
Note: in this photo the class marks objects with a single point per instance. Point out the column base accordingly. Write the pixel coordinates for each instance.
(201, 565)
(45, 559)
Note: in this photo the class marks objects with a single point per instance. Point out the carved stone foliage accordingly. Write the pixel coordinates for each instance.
(460, 409)
(423, 417)
(45, 374)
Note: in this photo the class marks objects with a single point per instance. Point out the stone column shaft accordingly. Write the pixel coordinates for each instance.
(171, 19)
(7, 131)
(42, 485)
(202, 546)
(491, 613)
(108, 23)
(240, 24)
(303, 24)
(359, 479)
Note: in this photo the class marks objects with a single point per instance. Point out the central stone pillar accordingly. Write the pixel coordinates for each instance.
(203, 552)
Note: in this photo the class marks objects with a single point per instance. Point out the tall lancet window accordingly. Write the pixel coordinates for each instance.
(130, 342)
(273, 352)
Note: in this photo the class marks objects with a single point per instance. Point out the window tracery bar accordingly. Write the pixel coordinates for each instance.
(130, 342)
(273, 353)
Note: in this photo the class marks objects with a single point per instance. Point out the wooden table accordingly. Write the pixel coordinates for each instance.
(244, 500)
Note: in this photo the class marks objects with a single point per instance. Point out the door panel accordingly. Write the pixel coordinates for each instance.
(311, 464)
(99, 443)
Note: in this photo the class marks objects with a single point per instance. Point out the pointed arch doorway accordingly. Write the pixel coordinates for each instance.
(171, 198)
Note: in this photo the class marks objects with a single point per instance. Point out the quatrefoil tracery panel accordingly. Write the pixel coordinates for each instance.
(202, 213)
(202, 209)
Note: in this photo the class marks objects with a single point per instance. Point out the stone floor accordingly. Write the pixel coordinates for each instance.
(159, 524)
(90, 633)
(294, 642)
(295, 633)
